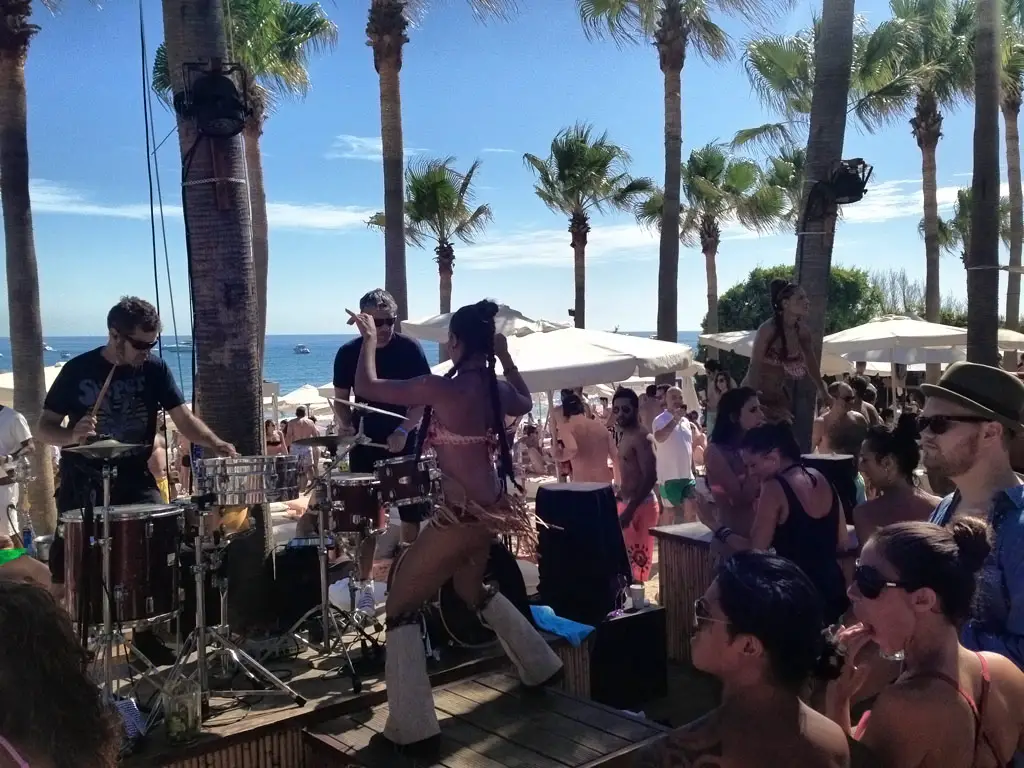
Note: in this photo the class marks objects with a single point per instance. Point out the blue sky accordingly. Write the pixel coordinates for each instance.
(489, 91)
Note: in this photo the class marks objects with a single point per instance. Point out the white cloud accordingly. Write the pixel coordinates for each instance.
(901, 199)
(348, 147)
(49, 197)
(498, 151)
(550, 247)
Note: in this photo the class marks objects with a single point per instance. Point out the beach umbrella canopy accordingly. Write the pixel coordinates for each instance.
(7, 383)
(576, 357)
(509, 322)
(887, 338)
(742, 343)
(306, 395)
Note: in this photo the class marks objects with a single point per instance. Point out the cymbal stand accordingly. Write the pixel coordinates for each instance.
(204, 635)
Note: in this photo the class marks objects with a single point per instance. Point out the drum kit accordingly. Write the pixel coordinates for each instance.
(136, 554)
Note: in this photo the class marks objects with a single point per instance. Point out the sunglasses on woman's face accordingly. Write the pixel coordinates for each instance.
(940, 425)
(702, 614)
(871, 583)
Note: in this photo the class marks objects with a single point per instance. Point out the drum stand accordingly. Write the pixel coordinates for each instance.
(109, 639)
(333, 630)
(203, 635)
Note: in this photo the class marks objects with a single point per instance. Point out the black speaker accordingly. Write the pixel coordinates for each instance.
(296, 584)
(582, 561)
(629, 659)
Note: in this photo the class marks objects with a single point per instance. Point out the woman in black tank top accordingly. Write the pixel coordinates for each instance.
(798, 513)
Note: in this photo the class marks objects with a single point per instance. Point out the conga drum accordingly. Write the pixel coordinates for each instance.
(840, 469)
(686, 567)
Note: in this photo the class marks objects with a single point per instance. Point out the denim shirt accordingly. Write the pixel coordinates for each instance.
(997, 624)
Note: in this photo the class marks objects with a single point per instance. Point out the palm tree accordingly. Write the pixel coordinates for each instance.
(673, 26)
(931, 70)
(1012, 81)
(26, 323)
(582, 174)
(223, 280)
(955, 232)
(439, 207)
(272, 40)
(718, 189)
(826, 131)
(983, 254)
(386, 35)
(786, 171)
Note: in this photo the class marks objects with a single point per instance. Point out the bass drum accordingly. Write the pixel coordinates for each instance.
(453, 624)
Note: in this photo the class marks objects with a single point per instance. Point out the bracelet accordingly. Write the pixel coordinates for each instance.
(510, 368)
(723, 533)
(402, 429)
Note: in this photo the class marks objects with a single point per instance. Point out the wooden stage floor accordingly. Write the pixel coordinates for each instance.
(489, 721)
(260, 731)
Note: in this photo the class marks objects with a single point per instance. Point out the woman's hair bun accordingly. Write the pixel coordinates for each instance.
(775, 286)
(906, 427)
(973, 542)
(487, 308)
(830, 662)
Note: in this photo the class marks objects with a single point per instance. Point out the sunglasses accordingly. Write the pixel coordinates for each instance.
(940, 425)
(141, 346)
(870, 583)
(702, 614)
(382, 322)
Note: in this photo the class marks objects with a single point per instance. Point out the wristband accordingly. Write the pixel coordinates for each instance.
(402, 429)
(723, 533)
(509, 368)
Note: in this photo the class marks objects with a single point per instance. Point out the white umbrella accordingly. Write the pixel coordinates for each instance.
(742, 343)
(509, 322)
(894, 332)
(575, 357)
(7, 383)
(306, 395)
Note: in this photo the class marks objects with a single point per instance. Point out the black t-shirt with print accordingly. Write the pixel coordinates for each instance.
(401, 358)
(128, 413)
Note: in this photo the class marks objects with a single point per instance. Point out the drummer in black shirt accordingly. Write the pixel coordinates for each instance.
(142, 385)
(398, 357)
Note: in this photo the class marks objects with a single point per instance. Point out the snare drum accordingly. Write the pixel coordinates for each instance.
(245, 480)
(404, 481)
(143, 563)
(355, 505)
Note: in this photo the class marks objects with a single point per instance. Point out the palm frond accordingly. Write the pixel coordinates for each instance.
(649, 209)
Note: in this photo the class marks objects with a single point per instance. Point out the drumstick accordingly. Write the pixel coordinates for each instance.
(103, 393)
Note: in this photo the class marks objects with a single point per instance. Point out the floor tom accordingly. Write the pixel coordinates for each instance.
(405, 481)
(144, 540)
(355, 505)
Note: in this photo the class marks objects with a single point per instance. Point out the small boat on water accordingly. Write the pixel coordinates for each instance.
(302, 349)
(183, 345)
(47, 348)
(65, 355)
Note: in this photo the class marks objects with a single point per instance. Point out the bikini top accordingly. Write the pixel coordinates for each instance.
(978, 709)
(793, 366)
(439, 434)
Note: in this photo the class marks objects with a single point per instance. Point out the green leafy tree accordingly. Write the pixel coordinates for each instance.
(272, 40)
(718, 189)
(439, 208)
(955, 232)
(853, 299)
(1012, 55)
(583, 174)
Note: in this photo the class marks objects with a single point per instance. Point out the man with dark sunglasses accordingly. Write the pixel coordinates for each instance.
(141, 385)
(968, 423)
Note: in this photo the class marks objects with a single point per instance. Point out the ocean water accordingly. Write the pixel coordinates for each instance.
(282, 364)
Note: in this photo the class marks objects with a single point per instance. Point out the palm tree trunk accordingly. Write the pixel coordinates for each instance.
(711, 272)
(23, 276)
(833, 59)
(260, 228)
(983, 277)
(223, 282)
(386, 35)
(445, 271)
(670, 40)
(927, 129)
(579, 228)
(1011, 112)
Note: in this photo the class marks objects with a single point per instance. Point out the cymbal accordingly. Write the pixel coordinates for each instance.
(105, 450)
(364, 407)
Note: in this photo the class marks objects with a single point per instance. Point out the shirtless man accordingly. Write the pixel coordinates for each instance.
(184, 462)
(299, 428)
(638, 510)
(861, 386)
(842, 428)
(650, 406)
(586, 445)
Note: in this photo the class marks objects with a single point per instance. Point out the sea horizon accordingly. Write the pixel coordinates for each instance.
(282, 365)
